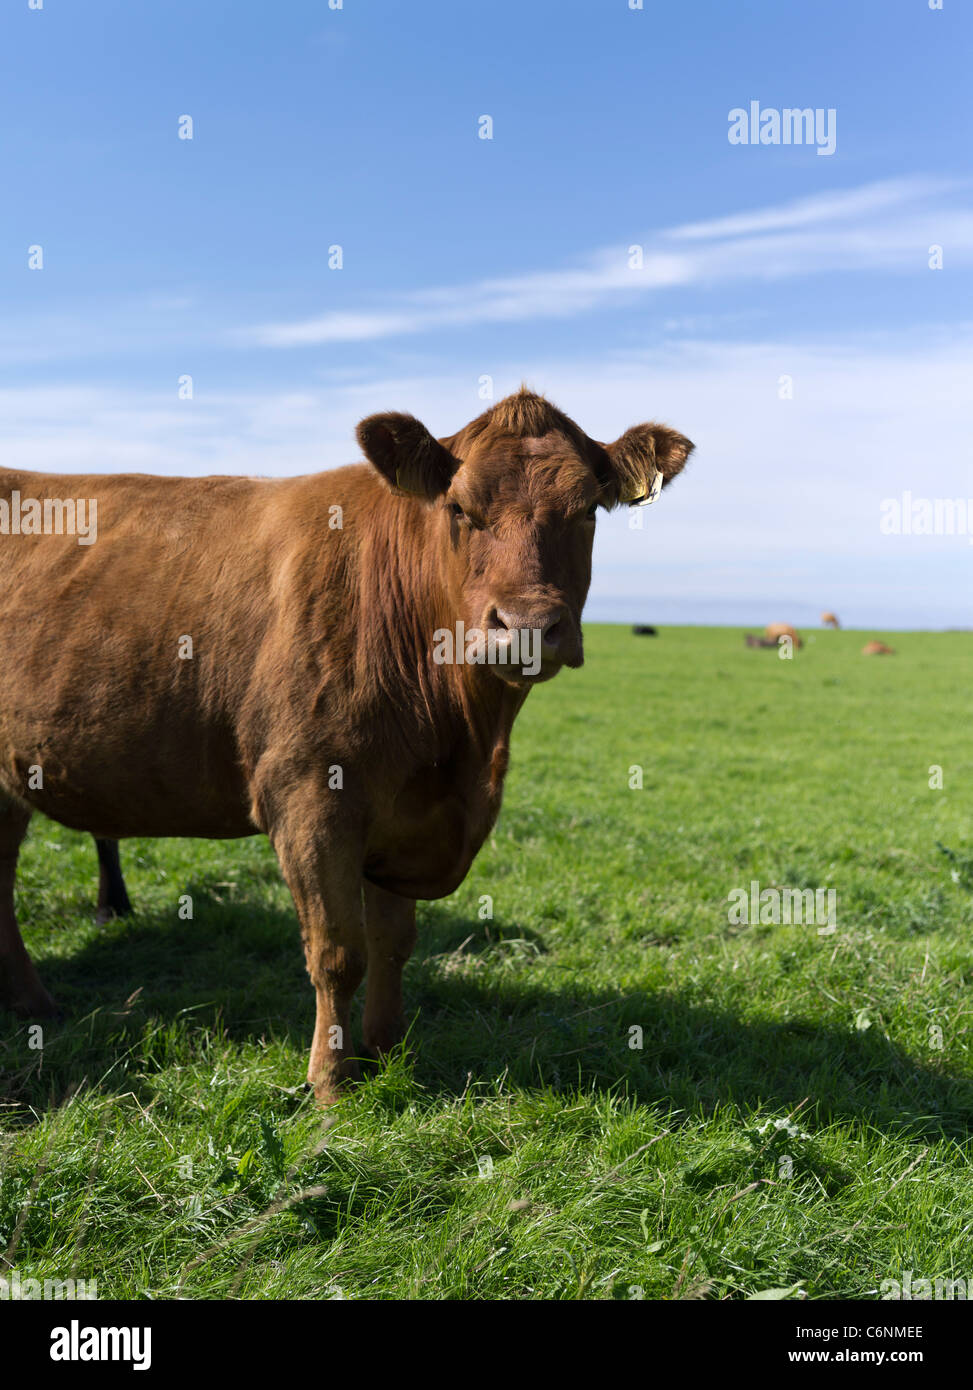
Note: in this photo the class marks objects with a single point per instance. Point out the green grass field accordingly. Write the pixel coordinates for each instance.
(797, 1117)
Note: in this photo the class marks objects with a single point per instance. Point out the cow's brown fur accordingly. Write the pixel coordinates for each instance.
(874, 648)
(311, 653)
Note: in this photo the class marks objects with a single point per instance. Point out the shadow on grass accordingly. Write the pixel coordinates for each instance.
(240, 974)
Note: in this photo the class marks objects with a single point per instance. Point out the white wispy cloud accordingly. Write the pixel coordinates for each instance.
(541, 295)
(849, 230)
(821, 207)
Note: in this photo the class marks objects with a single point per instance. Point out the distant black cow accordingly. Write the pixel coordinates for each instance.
(642, 630)
(752, 641)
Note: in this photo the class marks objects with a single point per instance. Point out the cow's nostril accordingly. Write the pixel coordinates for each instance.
(553, 633)
(553, 628)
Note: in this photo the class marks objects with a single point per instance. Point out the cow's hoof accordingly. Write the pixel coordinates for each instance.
(38, 1004)
(109, 914)
(333, 1083)
(379, 1049)
(329, 1090)
(381, 1039)
(21, 990)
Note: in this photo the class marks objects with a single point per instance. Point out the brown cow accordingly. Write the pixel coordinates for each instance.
(877, 649)
(830, 620)
(778, 630)
(235, 656)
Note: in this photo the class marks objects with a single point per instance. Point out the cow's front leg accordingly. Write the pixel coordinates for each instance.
(321, 864)
(390, 934)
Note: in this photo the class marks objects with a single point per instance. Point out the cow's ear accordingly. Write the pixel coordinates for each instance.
(641, 462)
(406, 455)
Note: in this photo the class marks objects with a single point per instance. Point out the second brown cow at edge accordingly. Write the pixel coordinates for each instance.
(312, 650)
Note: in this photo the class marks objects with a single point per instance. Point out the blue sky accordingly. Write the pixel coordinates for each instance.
(509, 258)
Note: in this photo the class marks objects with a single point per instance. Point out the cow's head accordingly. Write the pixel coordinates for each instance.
(515, 495)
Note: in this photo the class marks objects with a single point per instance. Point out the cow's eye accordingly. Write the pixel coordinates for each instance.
(455, 510)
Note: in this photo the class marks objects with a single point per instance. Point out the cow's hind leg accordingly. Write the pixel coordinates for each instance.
(113, 899)
(20, 986)
(390, 935)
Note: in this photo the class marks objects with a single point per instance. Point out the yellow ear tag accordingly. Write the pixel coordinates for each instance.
(652, 493)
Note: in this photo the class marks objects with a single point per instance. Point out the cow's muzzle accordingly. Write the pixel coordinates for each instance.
(539, 643)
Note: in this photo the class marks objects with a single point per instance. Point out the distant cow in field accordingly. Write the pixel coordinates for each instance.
(334, 660)
(877, 649)
(779, 630)
(752, 641)
(830, 620)
(644, 630)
